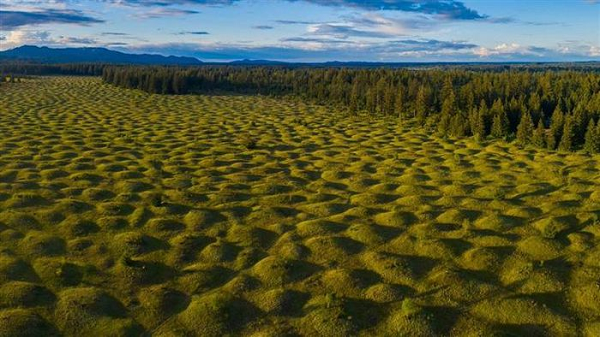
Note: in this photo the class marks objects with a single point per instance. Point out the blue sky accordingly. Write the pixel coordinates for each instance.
(314, 30)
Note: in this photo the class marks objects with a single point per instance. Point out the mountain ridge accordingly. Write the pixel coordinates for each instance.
(49, 55)
(91, 55)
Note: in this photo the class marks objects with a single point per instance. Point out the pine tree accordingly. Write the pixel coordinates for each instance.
(535, 107)
(449, 105)
(568, 135)
(592, 138)
(500, 124)
(551, 139)
(388, 101)
(538, 139)
(525, 129)
(479, 128)
(447, 88)
(497, 129)
(371, 100)
(421, 108)
(443, 125)
(458, 125)
(556, 126)
(354, 98)
(380, 90)
(399, 103)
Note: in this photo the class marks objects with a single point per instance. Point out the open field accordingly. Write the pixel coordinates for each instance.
(123, 213)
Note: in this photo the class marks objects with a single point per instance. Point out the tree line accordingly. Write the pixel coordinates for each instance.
(550, 109)
(74, 69)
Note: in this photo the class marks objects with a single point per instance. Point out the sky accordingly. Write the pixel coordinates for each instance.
(314, 30)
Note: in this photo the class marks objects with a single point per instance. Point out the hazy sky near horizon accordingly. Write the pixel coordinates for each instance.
(314, 30)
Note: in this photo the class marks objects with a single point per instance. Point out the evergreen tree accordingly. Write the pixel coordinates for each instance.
(458, 125)
(421, 106)
(399, 103)
(592, 138)
(551, 139)
(371, 100)
(443, 125)
(500, 124)
(539, 136)
(535, 107)
(566, 141)
(447, 89)
(449, 105)
(380, 90)
(354, 104)
(525, 129)
(556, 127)
(388, 101)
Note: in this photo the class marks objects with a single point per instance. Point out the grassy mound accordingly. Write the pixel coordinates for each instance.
(24, 323)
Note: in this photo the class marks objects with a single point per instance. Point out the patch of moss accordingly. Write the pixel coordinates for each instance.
(24, 323)
(58, 273)
(24, 295)
(216, 314)
(38, 243)
(93, 311)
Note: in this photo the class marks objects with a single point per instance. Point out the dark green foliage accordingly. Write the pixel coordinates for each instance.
(592, 138)
(421, 105)
(539, 136)
(81, 69)
(500, 123)
(525, 129)
(459, 127)
(568, 135)
(551, 139)
(477, 121)
(556, 128)
(399, 103)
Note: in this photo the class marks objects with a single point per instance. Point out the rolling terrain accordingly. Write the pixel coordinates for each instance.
(125, 213)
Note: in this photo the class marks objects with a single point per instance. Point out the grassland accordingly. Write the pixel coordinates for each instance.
(123, 213)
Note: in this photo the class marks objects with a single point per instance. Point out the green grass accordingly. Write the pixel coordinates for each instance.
(123, 213)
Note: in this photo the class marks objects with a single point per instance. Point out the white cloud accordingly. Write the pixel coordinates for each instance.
(17, 38)
(508, 49)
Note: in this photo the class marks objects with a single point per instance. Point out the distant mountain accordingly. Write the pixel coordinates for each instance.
(247, 62)
(102, 55)
(91, 55)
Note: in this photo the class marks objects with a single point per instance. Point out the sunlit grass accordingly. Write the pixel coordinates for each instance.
(123, 213)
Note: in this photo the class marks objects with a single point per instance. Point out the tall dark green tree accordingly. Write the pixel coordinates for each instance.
(355, 99)
(458, 125)
(399, 103)
(538, 138)
(371, 104)
(592, 138)
(525, 130)
(568, 134)
(557, 122)
(500, 124)
(421, 105)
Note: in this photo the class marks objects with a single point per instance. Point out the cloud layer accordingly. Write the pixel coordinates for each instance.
(10, 20)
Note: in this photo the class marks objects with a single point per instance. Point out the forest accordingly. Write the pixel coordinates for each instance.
(548, 109)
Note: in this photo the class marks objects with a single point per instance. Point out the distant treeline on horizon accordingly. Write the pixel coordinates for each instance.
(556, 106)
